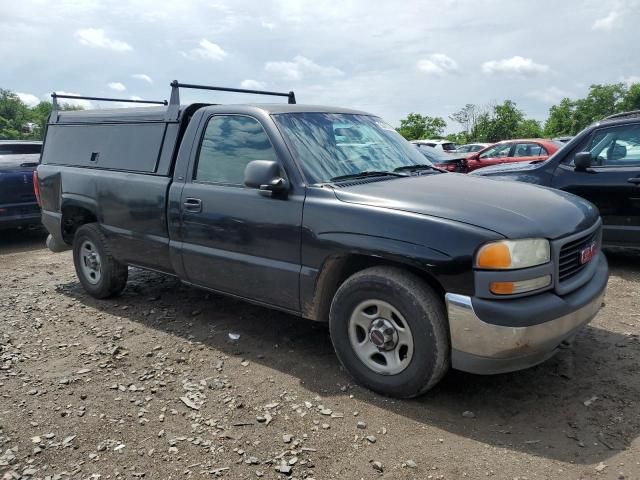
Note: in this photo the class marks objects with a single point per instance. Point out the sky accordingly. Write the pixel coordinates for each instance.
(386, 57)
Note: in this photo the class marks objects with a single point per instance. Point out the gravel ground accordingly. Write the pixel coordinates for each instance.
(151, 385)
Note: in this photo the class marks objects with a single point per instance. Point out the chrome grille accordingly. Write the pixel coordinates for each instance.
(569, 262)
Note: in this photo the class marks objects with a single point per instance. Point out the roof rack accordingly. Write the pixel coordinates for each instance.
(173, 110)
(174, 101)
(631, 113)
(55, 96)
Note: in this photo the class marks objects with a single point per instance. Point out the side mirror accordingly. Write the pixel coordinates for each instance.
(265, 175)
(473, 156)
(582, 161)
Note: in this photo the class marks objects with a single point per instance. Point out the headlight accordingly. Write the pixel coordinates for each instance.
(513, 254)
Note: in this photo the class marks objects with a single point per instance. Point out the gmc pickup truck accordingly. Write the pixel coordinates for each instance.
(329, 214)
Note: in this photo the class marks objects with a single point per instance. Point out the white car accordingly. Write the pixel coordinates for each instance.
(442, 145)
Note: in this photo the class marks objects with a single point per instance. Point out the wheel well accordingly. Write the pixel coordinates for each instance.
(337, 270)
(73, 218)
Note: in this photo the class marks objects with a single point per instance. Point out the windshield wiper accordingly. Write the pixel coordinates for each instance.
(419, 166)
(367, 173)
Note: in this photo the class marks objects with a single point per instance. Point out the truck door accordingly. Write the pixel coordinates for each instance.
(613, 182)
(234, 239)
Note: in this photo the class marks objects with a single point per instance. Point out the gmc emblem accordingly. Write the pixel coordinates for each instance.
(588, 252)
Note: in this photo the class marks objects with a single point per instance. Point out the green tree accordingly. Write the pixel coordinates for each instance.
(631, 99)
(13, 114)
(601, 101)
(529, 128)
(416, 126)
(504, 121)
(560, 120)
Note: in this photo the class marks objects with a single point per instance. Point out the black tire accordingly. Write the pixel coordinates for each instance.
(422, 310)
(112, 275)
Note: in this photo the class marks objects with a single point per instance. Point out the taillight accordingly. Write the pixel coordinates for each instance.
(36, 187)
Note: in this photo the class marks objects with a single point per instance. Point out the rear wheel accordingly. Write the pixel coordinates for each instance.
(389, 330)
(99, 273)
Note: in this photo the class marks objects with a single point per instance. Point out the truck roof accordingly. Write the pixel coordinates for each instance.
(159, 114)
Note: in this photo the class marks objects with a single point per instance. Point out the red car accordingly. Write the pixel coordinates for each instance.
(509, 151)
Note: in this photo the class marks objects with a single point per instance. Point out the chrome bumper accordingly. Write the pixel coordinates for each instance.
(482, 347)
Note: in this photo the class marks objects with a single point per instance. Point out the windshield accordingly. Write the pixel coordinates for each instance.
(330, 145)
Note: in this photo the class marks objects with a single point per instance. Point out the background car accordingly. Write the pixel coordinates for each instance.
(446, 161)
(442, 145)
(472, 147)
(601, 164)
(510, 151)
(18, 206)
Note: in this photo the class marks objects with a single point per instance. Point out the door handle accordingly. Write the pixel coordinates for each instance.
(192, 205)
(634, 180)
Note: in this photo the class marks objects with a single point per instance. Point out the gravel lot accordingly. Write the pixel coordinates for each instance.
(150, 385)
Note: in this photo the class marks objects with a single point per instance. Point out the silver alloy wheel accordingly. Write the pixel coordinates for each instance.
(380, 337)
(90, 262)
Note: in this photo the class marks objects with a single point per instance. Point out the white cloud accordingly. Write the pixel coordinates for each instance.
(95, 37)
(252, 85)
(207, 50)
(143, 77)
(76, 102)
(437, 64)
(606, 24)
(300, 66)
(117, 86)
(515, 65)
(550, 95)
(28, 99)
(628, 81)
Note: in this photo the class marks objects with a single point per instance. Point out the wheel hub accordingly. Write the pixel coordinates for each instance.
(383, 334)
(92, 261)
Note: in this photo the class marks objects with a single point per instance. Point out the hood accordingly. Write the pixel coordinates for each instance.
(512, 209)
(507, 167)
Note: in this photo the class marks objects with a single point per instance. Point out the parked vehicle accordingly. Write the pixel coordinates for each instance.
(18, 206)
(446, 161)
(442, 145)
(601, 164)
(472, 147)
(415, 270)
(512, 151)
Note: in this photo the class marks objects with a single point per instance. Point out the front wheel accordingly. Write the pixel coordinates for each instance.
(99, 273)
(389, 330)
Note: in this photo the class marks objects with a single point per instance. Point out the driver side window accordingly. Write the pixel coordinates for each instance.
(616, 147)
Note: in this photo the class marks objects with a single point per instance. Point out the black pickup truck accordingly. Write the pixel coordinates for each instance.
(329, 214)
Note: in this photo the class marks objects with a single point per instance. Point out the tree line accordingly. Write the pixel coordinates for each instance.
(495, 122)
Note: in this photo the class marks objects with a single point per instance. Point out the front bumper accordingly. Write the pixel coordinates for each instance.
(487, 346)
